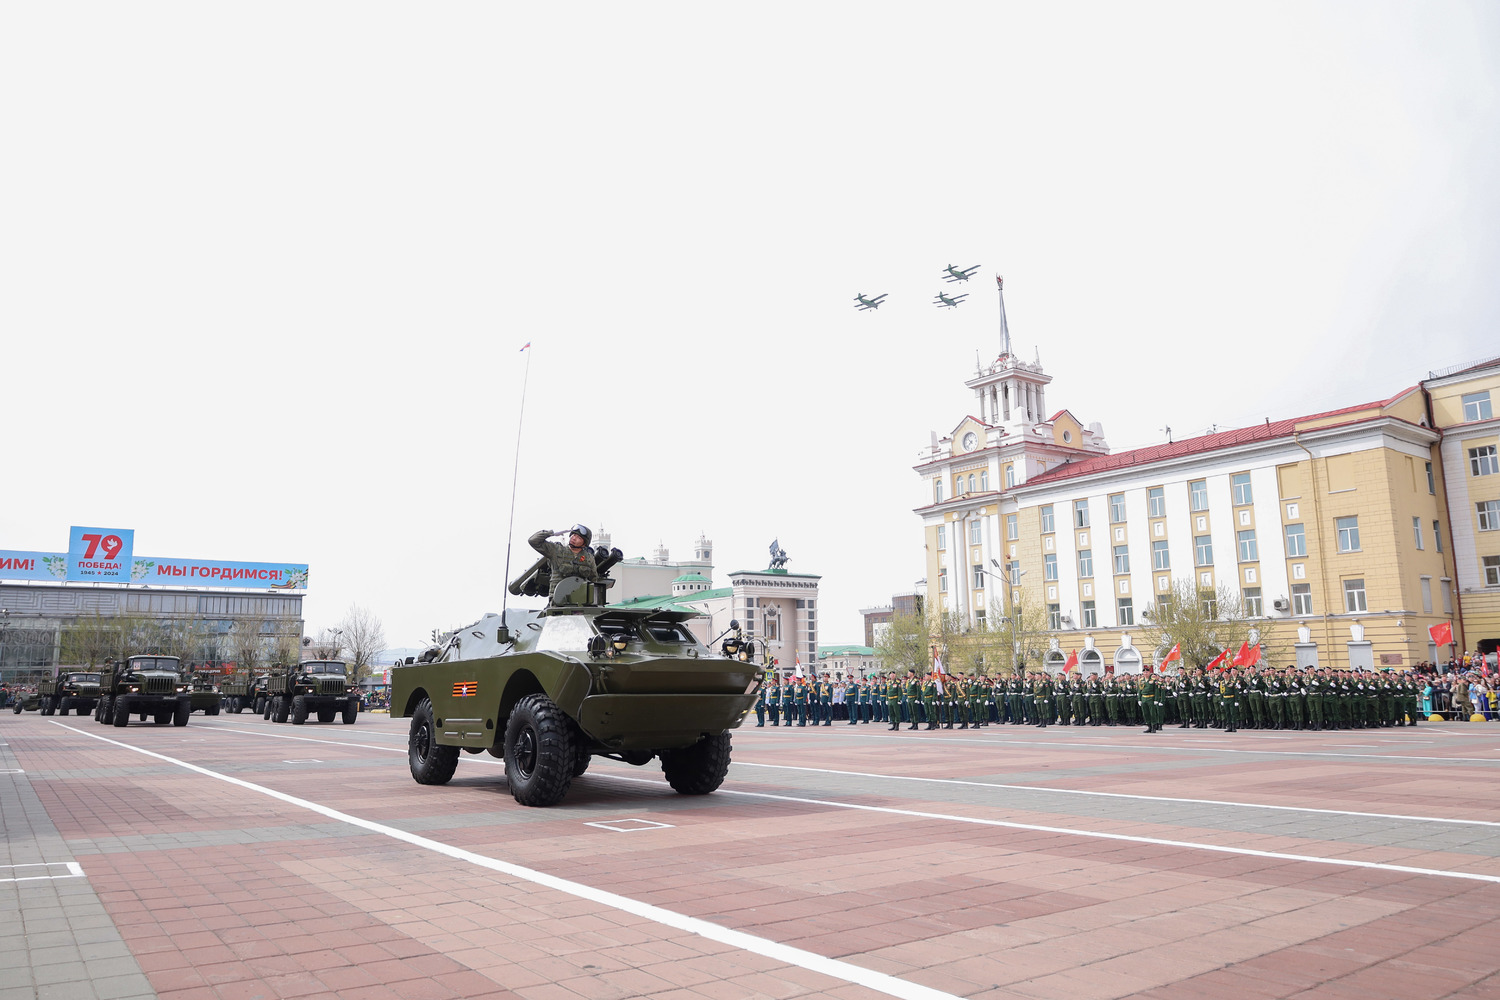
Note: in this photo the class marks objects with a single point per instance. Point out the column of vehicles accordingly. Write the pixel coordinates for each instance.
(72, 689)
(312, 689)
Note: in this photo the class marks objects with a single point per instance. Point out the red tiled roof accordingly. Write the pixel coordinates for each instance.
(1194, 446)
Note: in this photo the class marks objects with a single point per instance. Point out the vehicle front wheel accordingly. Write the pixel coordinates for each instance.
(122, 712)
(351, 711)
(539, 758)
(431, 762)
(184, 709)
(700, 768)
(299, 710)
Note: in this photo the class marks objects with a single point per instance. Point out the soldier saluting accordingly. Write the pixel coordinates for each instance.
(572, 559)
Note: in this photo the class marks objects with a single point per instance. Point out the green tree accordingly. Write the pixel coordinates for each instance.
(89, 640)
(903, 645)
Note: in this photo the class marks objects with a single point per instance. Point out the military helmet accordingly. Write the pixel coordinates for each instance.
(579, 529)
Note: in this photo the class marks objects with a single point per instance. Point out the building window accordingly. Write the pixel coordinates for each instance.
(1354, 595)
(1156, 502)
(978, 620)
(1482, 461)
(1012, 526)
(978, 577)
(1080, 513)
(1416, 530)
(1085, 564)
(1210, 604)
(1254, 607)
(976, 531)
(1492, 571)
(1203, 546)
(1090, 615)
(1426, 582)
(984, 480)
(1049, 566)
(1010, 476)
(1296, 540)
(1445, 587)
(1249, 551)
(1198, 494)
(770, 627)
(1013, 569)
(1489, 515)
(1116, 508)
(1477, 406)
(1302, 599)
(1122, 559)
(1239, 486)
(942, 581)
(1437, 536)
(1054, 617)
(1348, 533)
(942, 537)
(1160, 557)
(1047, 523)
(971, 482)
(1431, 482)
(1125, 611)
(937, 491)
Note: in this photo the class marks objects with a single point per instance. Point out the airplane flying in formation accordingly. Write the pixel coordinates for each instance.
(951, 273)
(862, 303)
(949, 302)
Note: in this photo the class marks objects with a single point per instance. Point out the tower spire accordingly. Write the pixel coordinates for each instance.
(1004, 327)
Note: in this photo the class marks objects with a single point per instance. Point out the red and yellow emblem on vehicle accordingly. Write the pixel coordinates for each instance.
(465, 689)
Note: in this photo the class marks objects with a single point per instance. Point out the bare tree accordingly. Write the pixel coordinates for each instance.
(1016, 637)
(89, 640)
(364, 637)
(248, 646)
(1203, 623)
(903, 646)
(327, 645)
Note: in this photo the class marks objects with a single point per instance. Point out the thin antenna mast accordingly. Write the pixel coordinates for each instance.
(514, 476)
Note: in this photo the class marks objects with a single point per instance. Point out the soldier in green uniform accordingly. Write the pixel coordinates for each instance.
(572, 559)
(1080, 701)
(912, 699)
(892, 692)
(1314, 685)
(1112, 700)
(760, 703)
(1149, 692)
(773, 697)
(825, 701)
(1229, 698)
(1096, 700)
(800, 699)
(1297, 696)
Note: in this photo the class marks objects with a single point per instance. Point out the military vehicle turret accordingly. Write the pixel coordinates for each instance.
(312, 687)
(153, 687)
(548, 689)
(75, 689)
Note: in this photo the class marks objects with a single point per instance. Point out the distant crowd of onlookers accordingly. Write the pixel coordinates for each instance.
(1463, 687)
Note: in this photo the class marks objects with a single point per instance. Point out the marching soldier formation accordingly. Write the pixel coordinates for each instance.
(1232, 699)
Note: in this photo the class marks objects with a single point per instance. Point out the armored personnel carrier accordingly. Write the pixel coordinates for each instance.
(548, 689)
(75, 689)
(313, 687)
(25, 701)
(203, 691)
(153, 687)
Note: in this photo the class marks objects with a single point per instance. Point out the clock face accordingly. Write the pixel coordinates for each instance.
(970, 439)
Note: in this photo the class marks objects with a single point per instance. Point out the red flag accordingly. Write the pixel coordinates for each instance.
(1217, 663)
(1175, 653)
(1072, 661)
(1442, 634)
(1253, 656)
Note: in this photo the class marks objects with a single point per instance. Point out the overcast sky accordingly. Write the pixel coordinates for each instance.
(266, 269)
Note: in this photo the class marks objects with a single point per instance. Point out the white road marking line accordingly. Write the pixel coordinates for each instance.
(75, 870)
(787, 954)
(1099, 835)
(1121, 795)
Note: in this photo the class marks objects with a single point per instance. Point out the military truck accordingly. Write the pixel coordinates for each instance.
(313, 687)
(75, 689)
(203, 691)
(241, 691)
(548, 689)
(153, 687)
(25, 701)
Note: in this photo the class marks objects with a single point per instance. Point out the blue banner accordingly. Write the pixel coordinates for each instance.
(100, 555)
(52, 567)
(18, 565)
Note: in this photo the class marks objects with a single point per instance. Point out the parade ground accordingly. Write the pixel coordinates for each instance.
(236, 859)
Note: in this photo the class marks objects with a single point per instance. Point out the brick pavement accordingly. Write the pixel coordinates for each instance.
(197, 888)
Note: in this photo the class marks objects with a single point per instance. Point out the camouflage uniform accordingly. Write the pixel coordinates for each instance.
(563, 562)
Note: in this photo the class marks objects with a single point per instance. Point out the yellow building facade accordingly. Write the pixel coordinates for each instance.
(1335, 530)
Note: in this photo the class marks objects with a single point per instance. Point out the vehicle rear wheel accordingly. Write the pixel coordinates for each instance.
(431, 763)
(351, 711)
(161, 716)
(16, 707)
(67, 703)
(212, 710)
(279, 708)
(122, 712)
(265, 708)
(184, 709)
(327, 714)
(700, 768)
(299, 710)
(539, 757)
